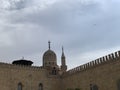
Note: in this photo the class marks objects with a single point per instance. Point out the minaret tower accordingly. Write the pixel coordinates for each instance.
(63, 61)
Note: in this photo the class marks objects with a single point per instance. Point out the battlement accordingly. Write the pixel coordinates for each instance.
(12, 66)
(100, 61)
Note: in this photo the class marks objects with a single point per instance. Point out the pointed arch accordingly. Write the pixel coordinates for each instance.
(19, 86)
(40, 86)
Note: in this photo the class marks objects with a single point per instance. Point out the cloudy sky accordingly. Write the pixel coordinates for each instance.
(88, 29)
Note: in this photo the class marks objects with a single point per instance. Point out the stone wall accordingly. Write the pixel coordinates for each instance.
(30, 77)
(103, 72)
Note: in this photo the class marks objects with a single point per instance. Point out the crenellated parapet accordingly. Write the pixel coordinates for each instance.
(20, 67)
(100, 61)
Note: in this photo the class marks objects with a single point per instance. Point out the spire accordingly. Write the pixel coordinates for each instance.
(63, 52)
(63, 61)
(63, 57)
(62, 49)
(49, 44)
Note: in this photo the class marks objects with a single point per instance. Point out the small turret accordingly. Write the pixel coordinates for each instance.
(63, 61)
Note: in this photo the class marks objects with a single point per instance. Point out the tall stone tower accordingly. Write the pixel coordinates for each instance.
(63, 62)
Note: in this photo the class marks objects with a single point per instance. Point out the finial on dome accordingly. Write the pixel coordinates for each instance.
(49, 44)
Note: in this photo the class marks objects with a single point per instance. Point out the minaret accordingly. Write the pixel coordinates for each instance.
(63, 61)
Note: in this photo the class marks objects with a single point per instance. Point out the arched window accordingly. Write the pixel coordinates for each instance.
(19, 86)
(54, 72)
(40, 86)
(118, 84)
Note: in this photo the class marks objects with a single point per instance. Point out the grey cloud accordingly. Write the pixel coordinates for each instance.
(79, 26)
(59, 15)
(13, 4)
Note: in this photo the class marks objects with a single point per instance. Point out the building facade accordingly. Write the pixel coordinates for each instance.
(100, 74)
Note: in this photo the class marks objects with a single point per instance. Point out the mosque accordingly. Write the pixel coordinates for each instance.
(100, 74)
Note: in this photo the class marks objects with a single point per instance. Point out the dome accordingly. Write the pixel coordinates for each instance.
(49, 55)
(49, 58)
